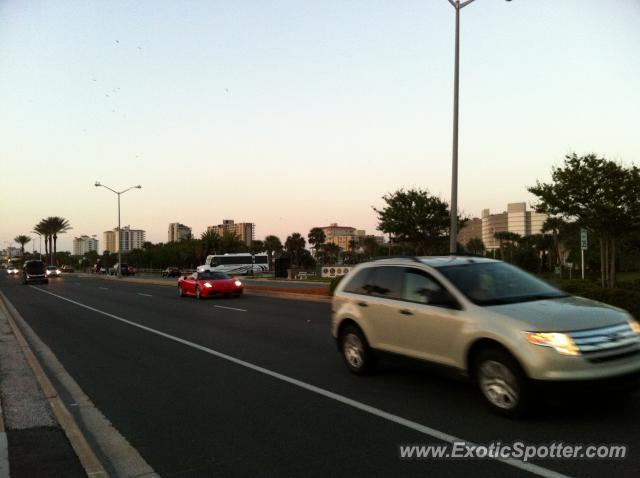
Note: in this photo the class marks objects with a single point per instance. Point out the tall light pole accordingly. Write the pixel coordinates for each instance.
(98, 184)
(39, 248)
(453, 240)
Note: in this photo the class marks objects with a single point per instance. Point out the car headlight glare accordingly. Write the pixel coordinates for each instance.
(562, 343)
(238, 283)
(635, 325)
(208, 285)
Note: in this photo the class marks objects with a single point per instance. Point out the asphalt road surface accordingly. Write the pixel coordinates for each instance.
(255, 387)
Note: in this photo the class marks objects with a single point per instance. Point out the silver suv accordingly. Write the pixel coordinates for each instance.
(499, 325)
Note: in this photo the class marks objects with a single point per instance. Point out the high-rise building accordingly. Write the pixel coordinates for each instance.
(244, 230)
(178, 232)
(84, 244)
(124, 240)
(515, 219)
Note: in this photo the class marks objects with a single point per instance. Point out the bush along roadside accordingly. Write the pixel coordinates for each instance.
(334, 283)
(625, 298)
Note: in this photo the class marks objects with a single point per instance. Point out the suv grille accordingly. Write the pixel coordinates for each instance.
(607, 343)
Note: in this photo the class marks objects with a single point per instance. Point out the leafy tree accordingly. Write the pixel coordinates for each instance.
(598, 194)
(370, 246)
(475, 246)
(509, 238)
(294, 246)
(416, 218)
(332, 251)
(22, 240)
(256, 247)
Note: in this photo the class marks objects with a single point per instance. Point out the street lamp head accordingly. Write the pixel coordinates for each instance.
(139, 186)
(97, 184)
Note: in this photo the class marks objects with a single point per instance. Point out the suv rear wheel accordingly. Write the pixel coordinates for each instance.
(355, 350)
(502, 383)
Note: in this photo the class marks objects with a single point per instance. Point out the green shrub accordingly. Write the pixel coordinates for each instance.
(334, 283)
(625, 298)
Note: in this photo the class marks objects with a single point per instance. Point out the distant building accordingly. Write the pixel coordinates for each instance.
(515, 219)
(84, 244)
(125, 240)
(178, 232)
(471, 230)
(343, 235)
(244, 230)
(11, 252)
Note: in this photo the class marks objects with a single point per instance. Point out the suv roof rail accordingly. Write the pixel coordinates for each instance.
(411, 258)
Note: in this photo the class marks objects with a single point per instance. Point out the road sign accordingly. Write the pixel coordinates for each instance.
(583, 239)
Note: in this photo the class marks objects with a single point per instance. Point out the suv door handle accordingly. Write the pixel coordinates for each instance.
(406, 312)
(363, 304)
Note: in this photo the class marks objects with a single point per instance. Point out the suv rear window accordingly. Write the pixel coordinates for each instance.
(357, 284)
(386, 282)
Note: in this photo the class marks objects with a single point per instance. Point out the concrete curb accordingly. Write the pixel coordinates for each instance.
(86, 456)
(4, 448)
(258, 290)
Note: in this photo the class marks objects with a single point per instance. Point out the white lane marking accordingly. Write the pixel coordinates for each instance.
(229, 308)
(432, 432)
(146, 295)
(103, 288)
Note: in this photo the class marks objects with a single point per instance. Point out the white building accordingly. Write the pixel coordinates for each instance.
(178, 232)
(124, 240)
(84, 244)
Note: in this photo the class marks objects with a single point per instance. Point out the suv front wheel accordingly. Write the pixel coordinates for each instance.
(355, 350)
(502, 383)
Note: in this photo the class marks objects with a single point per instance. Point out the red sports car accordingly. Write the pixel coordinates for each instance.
(209, 284)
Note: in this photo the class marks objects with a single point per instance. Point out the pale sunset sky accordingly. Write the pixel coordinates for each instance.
(293, 114)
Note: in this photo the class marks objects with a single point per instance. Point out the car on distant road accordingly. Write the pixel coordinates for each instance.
(172, 272)
(66, 269)
(127, 270)
(34, 271)
(510, 332)
(209, 284)
(53, 271)
(13, 270)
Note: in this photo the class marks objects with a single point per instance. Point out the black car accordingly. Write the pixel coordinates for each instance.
(172, 272)
(34, 271)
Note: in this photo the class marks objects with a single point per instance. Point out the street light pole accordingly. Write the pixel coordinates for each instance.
(118, 193)
(453, 239)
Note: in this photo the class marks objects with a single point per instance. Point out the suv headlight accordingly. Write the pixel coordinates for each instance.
(635, 325)
(562, 343)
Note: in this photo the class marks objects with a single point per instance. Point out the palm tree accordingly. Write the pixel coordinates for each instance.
(294, 245)
(272, 245)
(553, 225)
(316, 238)
(210, 242)
(508, 237)
(230, 242)
(22, 240)
(43, 229)
(58, 225)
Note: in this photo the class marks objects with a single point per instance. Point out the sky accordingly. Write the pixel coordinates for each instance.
(294, 114)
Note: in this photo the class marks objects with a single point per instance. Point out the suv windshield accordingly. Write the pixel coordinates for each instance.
(497, 283)
(34, 267)
(52, 268)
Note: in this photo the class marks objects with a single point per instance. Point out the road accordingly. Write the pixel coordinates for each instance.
(255, 386)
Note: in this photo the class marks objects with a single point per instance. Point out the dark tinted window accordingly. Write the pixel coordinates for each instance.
(261, 259)
(386, 282)
(496, 283)
(420, 287)
(357, 283)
